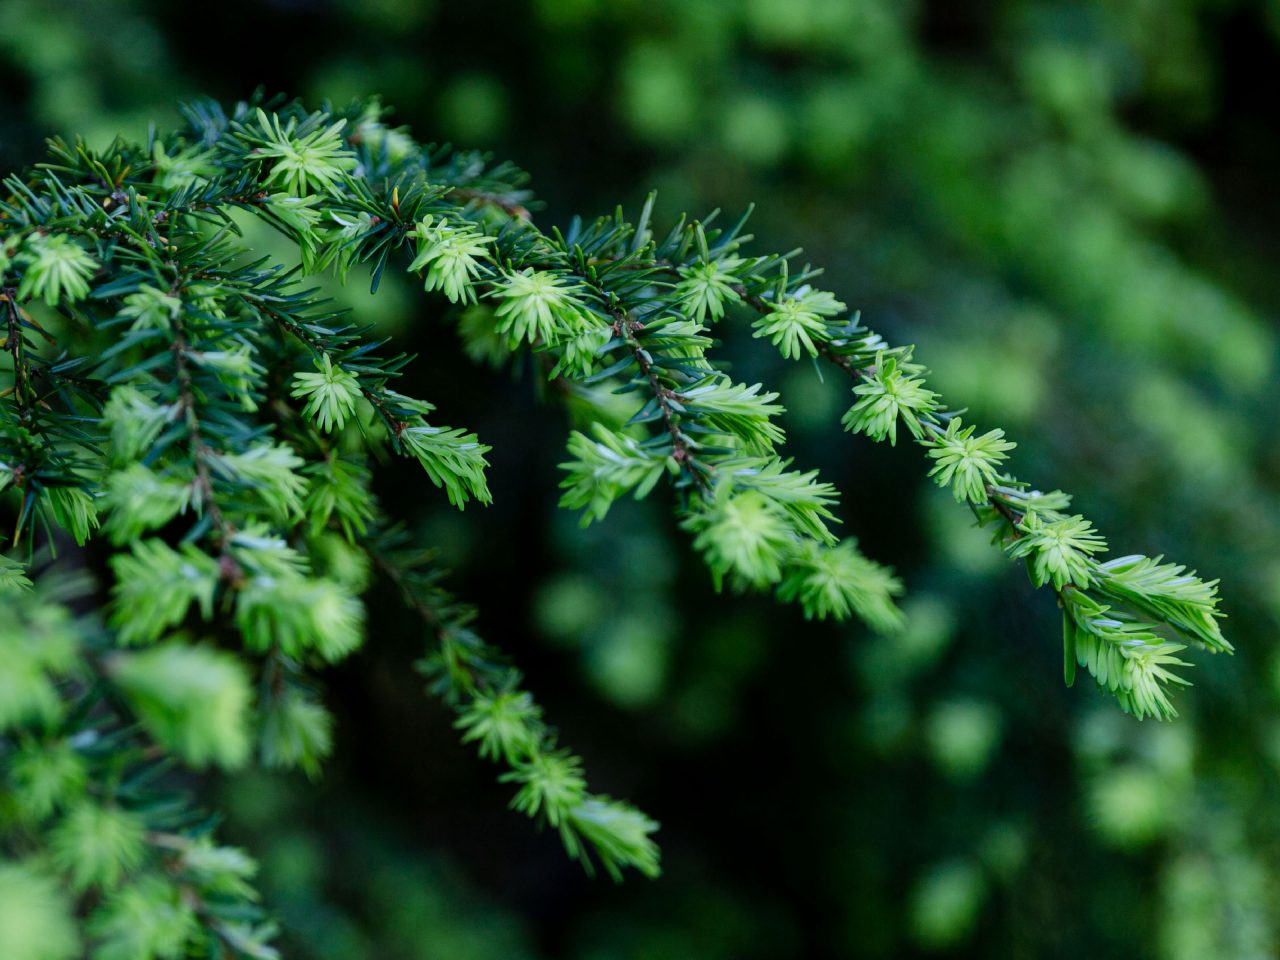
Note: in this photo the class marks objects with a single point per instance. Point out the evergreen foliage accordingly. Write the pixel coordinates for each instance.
(216, 421)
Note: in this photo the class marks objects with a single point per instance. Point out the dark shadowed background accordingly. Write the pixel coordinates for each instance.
(1070, 208)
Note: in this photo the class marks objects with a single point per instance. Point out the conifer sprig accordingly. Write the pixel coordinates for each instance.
(642, 284)
(502, 719)
(217, 420)
(1060, 549)
(81, 728)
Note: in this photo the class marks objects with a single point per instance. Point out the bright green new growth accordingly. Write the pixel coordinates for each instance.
(331, 394)
(744, 535)
(893, 391)
(219, 423)
(968, 464)
(193, 700)
(1059, 550)
(56, 269)
(789, 326)
(138, 500)
(537, 306)
(83, 784)
(150, 309)
(73, 510)
(97, 846)
(453, 459)
(842, 582)
(604, 469)
(707, 288)
(45, 777)
(303, 157)
(134, 422)
(450, 255)
(35, 915)
(155, 586)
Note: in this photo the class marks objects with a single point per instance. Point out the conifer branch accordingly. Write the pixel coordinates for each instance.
(681, 449)
(15, 342)
(508, 204)
(83, 765)
(507, 724)
(706, 276)
(137, 247)
(205, 498)
(328, 352)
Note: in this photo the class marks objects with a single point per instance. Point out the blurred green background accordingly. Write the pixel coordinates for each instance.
(1071, 209)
